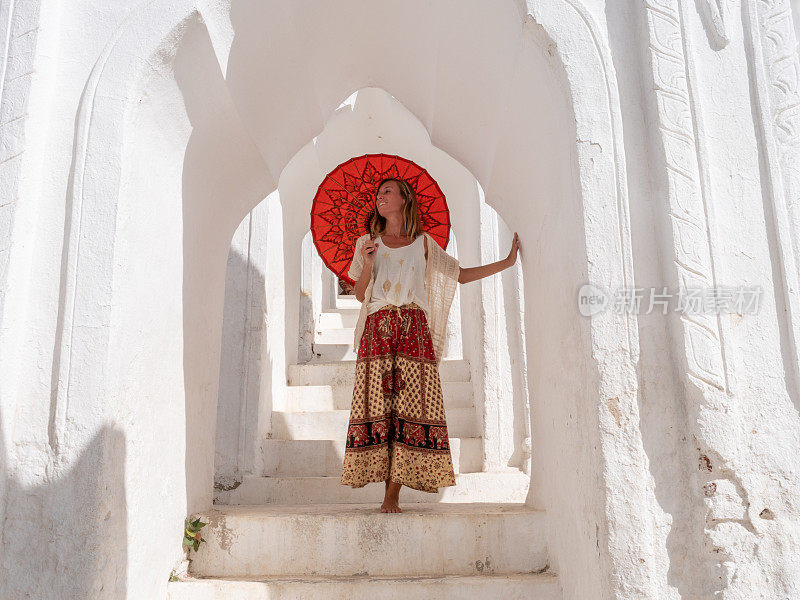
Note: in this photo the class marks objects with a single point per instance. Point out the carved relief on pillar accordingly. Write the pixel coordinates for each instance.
(715, 17)
(776, 69)
(782, 65)
(708, 396)
(687, 208)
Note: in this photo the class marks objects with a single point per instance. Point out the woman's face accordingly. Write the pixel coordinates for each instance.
(389, 199)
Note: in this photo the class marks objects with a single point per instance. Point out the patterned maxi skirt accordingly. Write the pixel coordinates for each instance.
(397, 428)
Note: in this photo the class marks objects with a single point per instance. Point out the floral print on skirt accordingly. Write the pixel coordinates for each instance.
(397, 428)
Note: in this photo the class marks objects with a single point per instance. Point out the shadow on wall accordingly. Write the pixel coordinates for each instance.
(512, 287)
(310, 263)
(222, 179)
(243, 338)
(67, 537)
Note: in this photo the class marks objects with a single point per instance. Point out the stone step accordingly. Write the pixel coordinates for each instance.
(334, 337)
(332, 424)
(501, 486)
(333, 352)
(321, 458)
(342, 373)
(457, 394)
(337, 318)
(486, 586)
(358, 540)
(347, 301)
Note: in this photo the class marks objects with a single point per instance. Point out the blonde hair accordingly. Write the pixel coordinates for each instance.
(412, 223)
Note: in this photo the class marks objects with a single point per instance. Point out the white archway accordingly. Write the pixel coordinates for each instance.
(539, 120)
(484, 330)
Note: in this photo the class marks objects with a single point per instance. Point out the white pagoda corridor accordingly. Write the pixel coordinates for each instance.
(172, 346)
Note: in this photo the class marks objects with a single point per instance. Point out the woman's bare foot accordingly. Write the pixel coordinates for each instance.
(391, 497)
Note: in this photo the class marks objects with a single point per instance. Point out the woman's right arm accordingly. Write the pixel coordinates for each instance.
(361, 267)
(363, 281)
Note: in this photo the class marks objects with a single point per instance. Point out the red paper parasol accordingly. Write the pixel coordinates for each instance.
(344, 204)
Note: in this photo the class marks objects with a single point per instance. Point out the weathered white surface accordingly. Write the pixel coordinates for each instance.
(474, 587)
(340, 539)
(137, 136)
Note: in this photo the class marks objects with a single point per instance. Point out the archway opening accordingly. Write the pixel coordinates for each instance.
(209, 130)
(488, 407)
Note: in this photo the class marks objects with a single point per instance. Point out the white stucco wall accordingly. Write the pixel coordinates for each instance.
(140, 135)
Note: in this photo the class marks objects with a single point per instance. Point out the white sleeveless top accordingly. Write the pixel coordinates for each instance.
(399, 276)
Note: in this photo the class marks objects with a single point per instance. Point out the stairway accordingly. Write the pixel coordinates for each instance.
(296, 532)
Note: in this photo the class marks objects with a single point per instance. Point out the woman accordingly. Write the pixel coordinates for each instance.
(397, 431)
